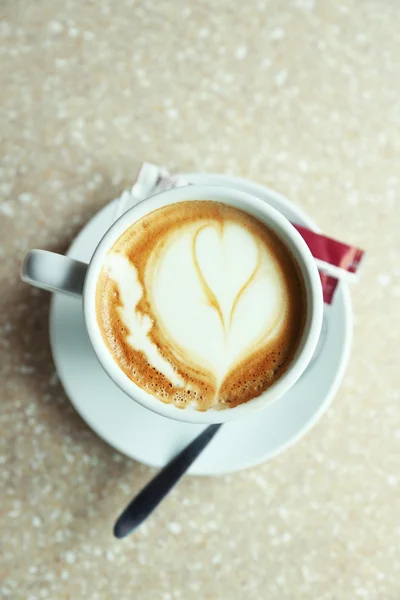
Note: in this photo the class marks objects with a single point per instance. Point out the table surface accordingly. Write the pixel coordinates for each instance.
(303, 96)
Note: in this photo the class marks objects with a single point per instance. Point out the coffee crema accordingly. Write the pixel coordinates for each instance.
(201, 304)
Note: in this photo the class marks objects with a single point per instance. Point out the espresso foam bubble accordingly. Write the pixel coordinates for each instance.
(201, 304)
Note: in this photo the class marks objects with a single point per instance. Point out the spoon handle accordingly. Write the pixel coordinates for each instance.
(155, 491)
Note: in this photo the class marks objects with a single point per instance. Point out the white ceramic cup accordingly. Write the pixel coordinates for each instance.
(59, 273)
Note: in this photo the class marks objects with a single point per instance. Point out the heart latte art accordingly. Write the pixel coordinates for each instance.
(199, 303)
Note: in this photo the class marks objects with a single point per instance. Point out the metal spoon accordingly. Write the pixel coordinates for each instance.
(155, 491)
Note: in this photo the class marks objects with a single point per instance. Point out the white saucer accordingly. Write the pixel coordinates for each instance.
(152, 439)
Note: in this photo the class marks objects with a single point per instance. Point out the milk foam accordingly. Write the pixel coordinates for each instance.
(196, 294)
(215, 292)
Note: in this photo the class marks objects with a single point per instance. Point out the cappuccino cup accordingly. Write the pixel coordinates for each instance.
(202, 303)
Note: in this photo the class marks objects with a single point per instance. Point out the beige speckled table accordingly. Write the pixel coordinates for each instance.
(303, 95)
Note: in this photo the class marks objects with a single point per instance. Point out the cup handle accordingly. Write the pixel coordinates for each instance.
(54, 272)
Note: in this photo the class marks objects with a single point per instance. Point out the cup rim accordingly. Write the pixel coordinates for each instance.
(263, 212)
